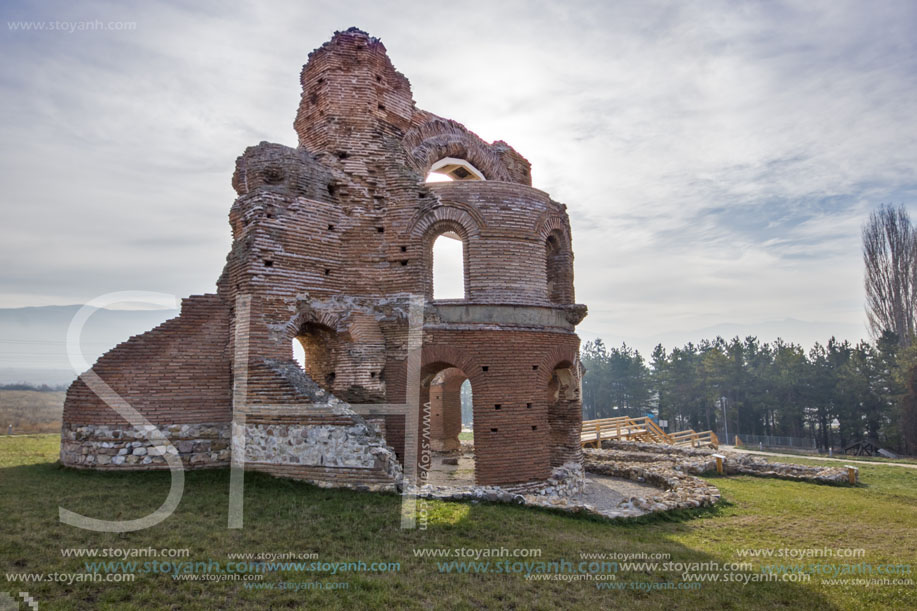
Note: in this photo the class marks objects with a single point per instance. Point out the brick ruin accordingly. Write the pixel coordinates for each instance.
(333, 247)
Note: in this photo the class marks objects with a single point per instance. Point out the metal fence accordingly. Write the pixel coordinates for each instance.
(769, 441)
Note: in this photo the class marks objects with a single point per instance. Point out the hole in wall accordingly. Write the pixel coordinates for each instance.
(299, 353)
(452, 168)
(313, 348)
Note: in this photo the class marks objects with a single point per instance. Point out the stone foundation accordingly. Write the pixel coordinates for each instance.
(677, 490)
(110, 447)
(700, 460)
(323, 454)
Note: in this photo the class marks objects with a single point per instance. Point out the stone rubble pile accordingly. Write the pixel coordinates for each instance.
(558, 492)
(564, 490)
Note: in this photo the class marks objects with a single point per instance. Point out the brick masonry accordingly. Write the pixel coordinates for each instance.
(331, 241)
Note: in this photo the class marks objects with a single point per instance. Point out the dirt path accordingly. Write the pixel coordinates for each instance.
(851, 461)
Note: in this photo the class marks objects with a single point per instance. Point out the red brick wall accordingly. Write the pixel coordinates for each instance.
(519, 366)
(178, 372)
(336, 236)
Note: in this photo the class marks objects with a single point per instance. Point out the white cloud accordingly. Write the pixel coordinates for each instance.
(717, 158)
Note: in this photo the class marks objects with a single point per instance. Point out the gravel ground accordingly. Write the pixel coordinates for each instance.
(603, 492)
(451, 475)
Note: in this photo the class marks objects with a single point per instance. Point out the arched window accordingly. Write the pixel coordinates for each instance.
(448, 266)
(313, 349)
(558, 268)
(451, 168)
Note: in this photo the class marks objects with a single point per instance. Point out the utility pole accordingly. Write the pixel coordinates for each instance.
(725, 424)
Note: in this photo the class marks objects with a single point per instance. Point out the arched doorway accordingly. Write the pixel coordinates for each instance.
(449, 445)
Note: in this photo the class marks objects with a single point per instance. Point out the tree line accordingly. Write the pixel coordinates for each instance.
(836, 393)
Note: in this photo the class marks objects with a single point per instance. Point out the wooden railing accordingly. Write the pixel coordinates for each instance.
(641, 429)
(694, 439)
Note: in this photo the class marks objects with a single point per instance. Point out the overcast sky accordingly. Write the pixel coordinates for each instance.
(717, 158)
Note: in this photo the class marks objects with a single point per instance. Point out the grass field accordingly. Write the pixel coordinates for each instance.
(30, 411)
(879, 517)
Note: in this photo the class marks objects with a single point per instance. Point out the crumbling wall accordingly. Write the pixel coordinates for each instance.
(331, 242)
(176, 375)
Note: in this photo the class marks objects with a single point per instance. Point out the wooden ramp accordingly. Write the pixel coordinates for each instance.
(642, 429)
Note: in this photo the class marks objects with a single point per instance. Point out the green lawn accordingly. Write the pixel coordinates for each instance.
(879, 516)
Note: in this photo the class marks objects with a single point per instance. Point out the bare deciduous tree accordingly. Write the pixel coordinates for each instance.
(890, 256)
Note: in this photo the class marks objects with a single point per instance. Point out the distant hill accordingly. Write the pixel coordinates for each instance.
(33, 339)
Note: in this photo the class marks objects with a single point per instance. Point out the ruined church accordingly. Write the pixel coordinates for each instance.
(333, 250)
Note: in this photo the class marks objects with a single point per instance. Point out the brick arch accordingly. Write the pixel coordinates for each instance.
(437, 138)
(469, 219)
(436, 223)
(554, 357)
(550, 222)
(559, 260)
(436, 357)
(327, 319)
